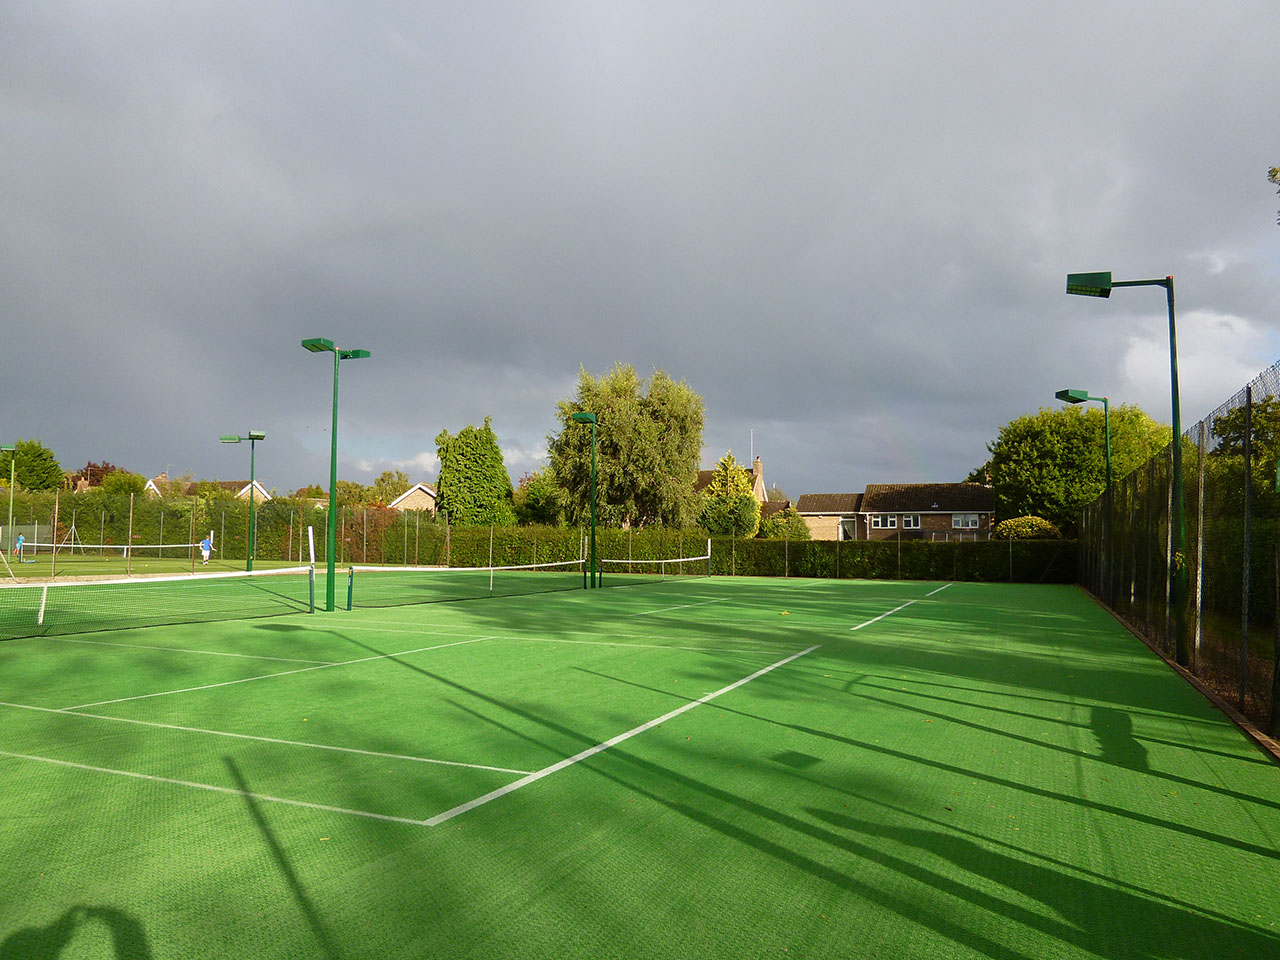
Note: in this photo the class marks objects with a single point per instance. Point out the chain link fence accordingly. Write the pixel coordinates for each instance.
(1211, 605)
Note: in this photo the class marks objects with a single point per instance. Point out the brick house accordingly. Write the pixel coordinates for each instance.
(755, 476)
(908, 511)
(421, 496)
(830, 516)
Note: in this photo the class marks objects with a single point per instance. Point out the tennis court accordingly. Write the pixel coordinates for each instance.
(701, 767)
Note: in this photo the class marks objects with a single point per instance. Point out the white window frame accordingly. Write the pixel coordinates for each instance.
(964, 521)
(911, 521)
(884, 521)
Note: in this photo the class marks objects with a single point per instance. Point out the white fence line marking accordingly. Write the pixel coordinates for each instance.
(216, 789)
(601, 747)
(267, 676)
(249, 736)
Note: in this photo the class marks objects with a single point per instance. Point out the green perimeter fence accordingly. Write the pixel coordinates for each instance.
(1213, 604)
(378, 535)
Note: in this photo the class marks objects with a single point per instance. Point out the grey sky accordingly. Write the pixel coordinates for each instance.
(846, 226)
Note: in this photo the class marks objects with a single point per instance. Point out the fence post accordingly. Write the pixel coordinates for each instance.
(1248, 512)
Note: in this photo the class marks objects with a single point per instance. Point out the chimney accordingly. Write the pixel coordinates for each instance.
(757, 468)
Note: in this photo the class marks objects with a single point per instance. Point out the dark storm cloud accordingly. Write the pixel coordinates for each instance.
(846, 227)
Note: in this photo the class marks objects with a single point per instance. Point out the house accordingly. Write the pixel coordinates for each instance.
(421, 496)
(755, 476)
(830, 516)
(907, 511)
(162, 486)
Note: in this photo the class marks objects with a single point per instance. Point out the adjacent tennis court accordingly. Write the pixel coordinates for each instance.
(690, 767)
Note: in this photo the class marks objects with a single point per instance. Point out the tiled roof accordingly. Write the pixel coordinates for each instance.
(771, 507)
(927, 497)
(705, 477)
(824, 503)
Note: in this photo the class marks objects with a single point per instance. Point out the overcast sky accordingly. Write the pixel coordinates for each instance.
(846, 225)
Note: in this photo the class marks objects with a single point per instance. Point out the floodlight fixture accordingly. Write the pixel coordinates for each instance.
(583, 417)
(318, 345)
(1090, 284)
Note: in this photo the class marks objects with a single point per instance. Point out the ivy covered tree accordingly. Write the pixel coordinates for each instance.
(649, 441)
(34, 466)
(730, 507)
(1052, 463)
(474, 487)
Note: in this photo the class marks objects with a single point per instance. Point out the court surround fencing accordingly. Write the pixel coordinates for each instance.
(1231, 565)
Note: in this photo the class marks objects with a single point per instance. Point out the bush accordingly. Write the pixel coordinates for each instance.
(1026, 528)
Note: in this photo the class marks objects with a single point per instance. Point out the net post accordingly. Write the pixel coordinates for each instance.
(708, 556)
(311, 589)
(128, 554)
(351, 584)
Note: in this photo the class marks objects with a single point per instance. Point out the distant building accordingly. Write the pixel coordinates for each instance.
(907, 511)
(421, 496)
(162, 486)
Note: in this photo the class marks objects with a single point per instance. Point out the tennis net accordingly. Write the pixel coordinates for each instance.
(370, 586)
(85, 606)
(628, 571)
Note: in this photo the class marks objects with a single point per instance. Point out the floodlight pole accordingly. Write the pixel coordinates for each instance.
(253, 437)
(321, 345)
(591, 419)
(12, 450)
(1100, 285)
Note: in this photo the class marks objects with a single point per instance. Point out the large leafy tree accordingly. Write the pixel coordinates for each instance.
(730, 507)
(122, 481)
(33, 464)
(1052, 463)
(539, 500)
(474, 487)
(95, 472)
(389, 485)
(784, 525)
(649, 441)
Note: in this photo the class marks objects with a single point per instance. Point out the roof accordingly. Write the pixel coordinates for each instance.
(927, 497)
(426, 488)
(824, 503)
(773, 507)
(705, 477)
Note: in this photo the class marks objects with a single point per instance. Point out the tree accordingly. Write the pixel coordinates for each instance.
(389, 485)
(784, 525)
(312, 492)
(351, 492)
(474, 487)
(1274, 176)
(94, 472)
(122, 481)
(1026, 528)
(776, 494)
(730, 506)
(539, 500)
(649, 442)
(1053, 463)
(34, 466)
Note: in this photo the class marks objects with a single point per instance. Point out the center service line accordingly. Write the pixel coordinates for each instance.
(903, 606)
(601, 747)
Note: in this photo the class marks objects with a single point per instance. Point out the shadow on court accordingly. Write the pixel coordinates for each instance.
(128, 939)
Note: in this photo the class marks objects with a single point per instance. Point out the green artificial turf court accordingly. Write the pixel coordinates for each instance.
(717, 767)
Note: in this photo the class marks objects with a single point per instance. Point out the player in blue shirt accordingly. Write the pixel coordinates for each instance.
(206, 547)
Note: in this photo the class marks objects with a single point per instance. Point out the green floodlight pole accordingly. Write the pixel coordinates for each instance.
(12, 450)
(253, 437)
(1100, 284)
(321, 345)
(591, 419)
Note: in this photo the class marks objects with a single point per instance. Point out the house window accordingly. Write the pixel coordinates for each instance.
(883, 521)
(964, 521)
(911, 521)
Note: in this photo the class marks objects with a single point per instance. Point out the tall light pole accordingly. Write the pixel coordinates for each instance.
(12, 451)
(253, 437)
(320, 345)
(591, 419)
(1100, 284)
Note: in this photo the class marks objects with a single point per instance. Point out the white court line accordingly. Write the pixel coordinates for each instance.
(216, 789)
(601, 747)
(267, 676)
(639, 646)
(900, 607)
(207, 653)
(683, 606)
(249, 736)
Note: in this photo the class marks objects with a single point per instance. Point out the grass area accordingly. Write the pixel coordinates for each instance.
(708, 768)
